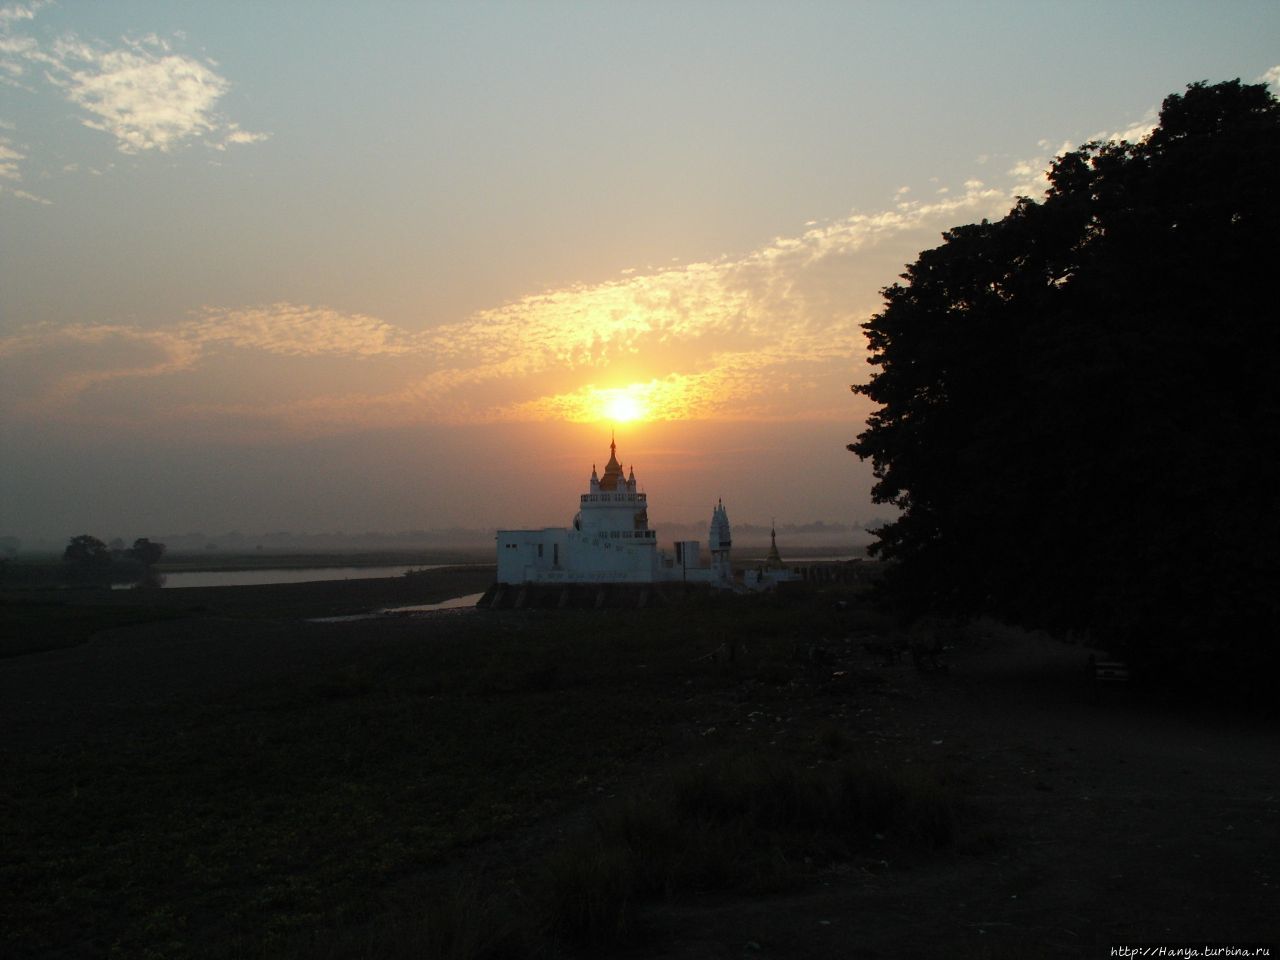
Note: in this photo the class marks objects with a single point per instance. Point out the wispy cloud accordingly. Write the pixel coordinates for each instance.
(731, 389)
(11, 159)
(1030, 175)
(20, 11)
(769, 334)
(139, 89)
(1137, 130)
(772, 334)
(299, 331)
(12, 69)
(1142, 127)
(142, 93)
(232, 135)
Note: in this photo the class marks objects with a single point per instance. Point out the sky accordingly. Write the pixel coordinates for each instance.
(336, 267)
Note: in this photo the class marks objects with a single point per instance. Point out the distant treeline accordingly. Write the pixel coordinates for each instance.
(460, 538)
(1079, 404)
(88, 561)
(285, 541)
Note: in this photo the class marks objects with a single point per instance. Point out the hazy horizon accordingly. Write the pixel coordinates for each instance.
(751, 533)
(327, 269)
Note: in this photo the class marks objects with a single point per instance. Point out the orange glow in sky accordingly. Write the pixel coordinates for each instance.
(643, 229)
(622, 406)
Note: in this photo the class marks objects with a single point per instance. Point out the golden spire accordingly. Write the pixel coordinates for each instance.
(613, 469)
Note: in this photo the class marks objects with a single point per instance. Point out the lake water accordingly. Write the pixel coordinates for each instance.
(249, 578)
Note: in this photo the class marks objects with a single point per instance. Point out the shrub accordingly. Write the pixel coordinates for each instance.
(741, 821)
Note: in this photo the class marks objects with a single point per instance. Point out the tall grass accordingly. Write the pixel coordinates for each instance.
(741, 822)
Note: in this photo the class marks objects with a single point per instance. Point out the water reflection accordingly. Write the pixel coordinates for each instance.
(466, 602)
(251, 578)
(457, 603)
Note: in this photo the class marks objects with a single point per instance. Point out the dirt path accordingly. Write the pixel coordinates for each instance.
(1094, 822)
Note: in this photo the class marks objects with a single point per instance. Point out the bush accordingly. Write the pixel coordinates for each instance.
(740, 822)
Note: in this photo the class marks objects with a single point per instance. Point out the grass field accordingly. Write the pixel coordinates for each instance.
(213, 776)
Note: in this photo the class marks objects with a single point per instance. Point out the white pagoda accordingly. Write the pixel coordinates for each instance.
(611, 542)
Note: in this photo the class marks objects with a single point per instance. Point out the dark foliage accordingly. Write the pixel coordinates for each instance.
(1079, 402)
(88, 561)
(741, 821)
(145, 552)
(87, 551)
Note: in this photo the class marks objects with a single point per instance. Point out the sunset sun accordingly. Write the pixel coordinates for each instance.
(621, 406)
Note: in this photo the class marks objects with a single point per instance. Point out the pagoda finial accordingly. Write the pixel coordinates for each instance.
(613, 441)
(773, 561)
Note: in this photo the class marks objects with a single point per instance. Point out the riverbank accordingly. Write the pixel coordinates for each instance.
(51, 572)
(285, 560)
(43, 619)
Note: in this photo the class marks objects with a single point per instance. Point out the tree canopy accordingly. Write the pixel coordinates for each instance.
(1079, 403)
(87, 561)
(86, 551)
(146, 552)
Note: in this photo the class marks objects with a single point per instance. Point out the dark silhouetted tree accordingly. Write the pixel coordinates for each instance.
(1079, 404)
(87, 552)
(146, 552)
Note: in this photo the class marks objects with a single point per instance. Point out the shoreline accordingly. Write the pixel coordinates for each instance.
(36, 619)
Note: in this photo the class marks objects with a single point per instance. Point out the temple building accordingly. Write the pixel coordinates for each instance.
(772, 572)
(610, 541)
(774, 560)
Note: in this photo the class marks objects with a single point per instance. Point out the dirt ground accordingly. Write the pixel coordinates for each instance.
(1094, 819)
(1088, 821)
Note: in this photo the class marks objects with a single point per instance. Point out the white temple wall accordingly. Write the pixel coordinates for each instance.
(557, 555)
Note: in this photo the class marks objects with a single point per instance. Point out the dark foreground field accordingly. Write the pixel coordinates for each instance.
(725, 779)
